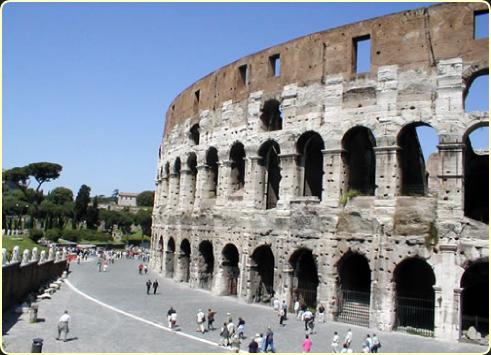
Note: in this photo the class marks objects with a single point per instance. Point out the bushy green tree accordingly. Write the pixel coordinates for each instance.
(144, 219)
(93, 214)
(145, 199)
(81, 204)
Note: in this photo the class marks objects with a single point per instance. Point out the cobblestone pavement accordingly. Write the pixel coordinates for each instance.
(114, 314)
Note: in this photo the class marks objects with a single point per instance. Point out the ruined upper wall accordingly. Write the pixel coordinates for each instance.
(411, 39)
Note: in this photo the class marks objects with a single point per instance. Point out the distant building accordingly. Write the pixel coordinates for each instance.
(127, 199)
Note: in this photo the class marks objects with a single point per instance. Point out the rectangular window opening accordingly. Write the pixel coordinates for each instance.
(481, 24)
(275, 64)
(196, 96)
(244, 74)
(362, 54)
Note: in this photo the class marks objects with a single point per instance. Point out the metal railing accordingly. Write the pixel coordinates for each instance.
(415, 315)
(353, 307)
(481, 324)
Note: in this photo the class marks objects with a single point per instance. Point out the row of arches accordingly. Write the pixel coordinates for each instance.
(358, 167)
(413, 279)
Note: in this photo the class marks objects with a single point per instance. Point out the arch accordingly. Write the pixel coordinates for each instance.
(212, 163)
(230, 266)
(415, 297)
(177, 166)
(271, 116)
(170, 257)
(237, 167)
(305, 276)
(353, 289)
(206, 264)
(262, 273)
(415, 179)
(476, 95)
(309, 147)
(185, 259)
(160, 253)
(167, 169)
(269, 152)
(359, 160)
(192, 165)
(194, 133)
(476, 178)
(474, 303)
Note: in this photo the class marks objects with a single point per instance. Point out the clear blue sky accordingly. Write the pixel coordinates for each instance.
(87, 85)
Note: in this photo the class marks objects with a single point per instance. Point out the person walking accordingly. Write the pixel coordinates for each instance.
(211, 319)
(321, 313)
(253, 346)
(307, 344)
(296, 308)
(335, 342)
(224, 335)
(348, 338)
(231, 330)
(140, 268)
(146, 269)
(346, 349)
(269, 341)
(260, 341)
(367, 344)
(241, 328)
(200, 319)
(149, 284)
(375, 344)
(63, 325)
(282, 316)
(284, 307)
(306, 317)
(169, 315)
(155, 286)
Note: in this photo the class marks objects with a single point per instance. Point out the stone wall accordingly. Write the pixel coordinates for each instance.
(333, 178)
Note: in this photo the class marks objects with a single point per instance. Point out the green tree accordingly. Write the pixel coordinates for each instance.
(93, 214)
(81, 204)
(145, 199)
(144, 219)
(60, 195)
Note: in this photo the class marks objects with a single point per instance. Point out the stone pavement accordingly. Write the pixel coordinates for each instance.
(99, 322)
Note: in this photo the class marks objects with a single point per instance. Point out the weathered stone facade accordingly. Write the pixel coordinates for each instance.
(310, 182)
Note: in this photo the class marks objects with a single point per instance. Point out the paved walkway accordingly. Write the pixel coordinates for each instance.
(111, 312)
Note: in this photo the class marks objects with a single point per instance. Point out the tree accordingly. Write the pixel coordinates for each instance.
(144, 219)
(60, 195)
(93, 214)
(145, 199)
(114, 195)
(82, 203)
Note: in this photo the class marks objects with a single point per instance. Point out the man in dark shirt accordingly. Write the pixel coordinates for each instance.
(253, 346)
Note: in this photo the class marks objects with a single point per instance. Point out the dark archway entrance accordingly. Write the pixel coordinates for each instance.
(475, 298)
(231, 271)
(212, 163)
(160, 254)
(309, 148)
(359, 160)
(192, 165)
(271, 116)
(169, 257)
(262, 274)
(305, 277)
(185, 259)
(353, 289)
(269, 152)
(206, 264)
(415, 297)
(237, 168)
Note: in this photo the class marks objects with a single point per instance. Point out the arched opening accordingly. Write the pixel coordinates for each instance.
(206, 263)
(415, 296)
(194, 134)
(476, 174)
(476, 93)
(475, 300)
(177, 182)
(169, 257)
(305, 277)
(353, 289)
(270, 161)
(185, 259)
(271, 116)
(419, 161)
(230, 265)
(160, 254)
(262, 274)
(237, 168)
(192, 165)
(309, 148)
(212, 163)
(359, 160)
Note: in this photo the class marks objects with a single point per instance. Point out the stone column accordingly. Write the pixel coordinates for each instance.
(289, 187)
(254, 185)
(164, 192)
(201, 194)
(285, 293)
(387, 177)
(186, 193)
(457, 313)
(173, 199)
(333, 179)
(451, 196)
(223, 188)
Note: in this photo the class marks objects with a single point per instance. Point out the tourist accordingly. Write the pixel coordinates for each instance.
(173, 320)
(335, 342)
(169, 314)
(269, 341)
(367, 344)
(284, 306)
(346, 349)
(260, 341)
(306, 317)
(231, 329)
(236, 343)
(211, 319)
(276, 304)
(281, 313)
(63, 326)
(200, 319)
(149, 284)
(104, 266)
(375, 344)
(155, 286)
(140, 268)
(253, 346)
(296, 308)
(224, 335)
(321, 312)
(241, 328)
(146, 269)
(307, 344)
(348, 338)
(99, 264)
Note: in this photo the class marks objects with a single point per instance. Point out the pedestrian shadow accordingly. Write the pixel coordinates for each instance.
(40, 320)
(71, 339)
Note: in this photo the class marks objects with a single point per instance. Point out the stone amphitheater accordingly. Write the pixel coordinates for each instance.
(291, 172)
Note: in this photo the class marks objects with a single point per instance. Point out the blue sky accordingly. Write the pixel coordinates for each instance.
(87, 85)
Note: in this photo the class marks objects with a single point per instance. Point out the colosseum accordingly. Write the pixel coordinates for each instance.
(292, 172)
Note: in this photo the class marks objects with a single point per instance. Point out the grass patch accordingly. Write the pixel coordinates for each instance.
(23, 242)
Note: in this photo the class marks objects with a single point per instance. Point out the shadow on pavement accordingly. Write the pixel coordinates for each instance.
(9, 319)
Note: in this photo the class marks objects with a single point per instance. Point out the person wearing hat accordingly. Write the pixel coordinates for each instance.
(200, 319)
(259, 340)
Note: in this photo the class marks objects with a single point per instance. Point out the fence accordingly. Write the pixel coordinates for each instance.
(353, 307)
(480, 323)
(416, 315)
